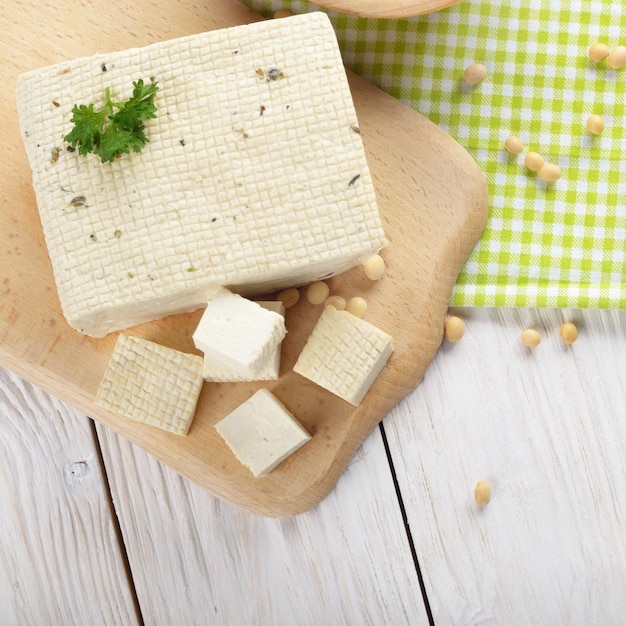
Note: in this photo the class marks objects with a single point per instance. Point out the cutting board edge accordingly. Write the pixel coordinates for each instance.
(372, 8)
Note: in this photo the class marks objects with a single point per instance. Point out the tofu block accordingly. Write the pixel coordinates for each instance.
(151, 383)
(262, 433)
(214, 372)
(254, 177)
(239, 334)
(344, 354)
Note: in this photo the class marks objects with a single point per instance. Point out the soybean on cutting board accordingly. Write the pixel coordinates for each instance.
(433, 202)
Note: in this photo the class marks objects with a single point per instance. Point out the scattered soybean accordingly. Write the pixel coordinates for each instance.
(317, 292)
(289, 297)
(617, 58)
(530, 337)
(595, 124)
(454, 329)
(534, 161)
(569, 333)
(550, 172)
(598, 52)
(357, 306)
(337, 301)
(474, 73)
(374, 267)
(514, 144)
(482, 493)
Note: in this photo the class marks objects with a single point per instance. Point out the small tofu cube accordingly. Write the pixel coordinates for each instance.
(216, 373)
(239, 334)
(262, 433)
(152, 384)
(344, 354)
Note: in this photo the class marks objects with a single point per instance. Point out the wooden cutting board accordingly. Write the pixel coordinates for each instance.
(433, 201)
(386, 8)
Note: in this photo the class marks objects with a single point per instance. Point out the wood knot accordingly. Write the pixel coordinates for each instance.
(76, 472)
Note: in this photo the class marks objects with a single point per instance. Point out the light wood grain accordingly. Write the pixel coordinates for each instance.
(197, 560)
(386, 8)
(434, 205)
(546, 428)
(60, 559)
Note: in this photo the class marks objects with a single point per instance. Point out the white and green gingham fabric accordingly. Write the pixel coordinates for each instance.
(555, 245)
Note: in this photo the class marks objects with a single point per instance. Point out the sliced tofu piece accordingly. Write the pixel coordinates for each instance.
(151, 383)
(254, 177)
(262, 433)
(239, 334)
(344, 354)
(214, 372)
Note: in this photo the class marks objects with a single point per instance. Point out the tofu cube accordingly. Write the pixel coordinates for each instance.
(262, 433)
(151, 383)
(215, 372)
(344, 354)
(239, 334)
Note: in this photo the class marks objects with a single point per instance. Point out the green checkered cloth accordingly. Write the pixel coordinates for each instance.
(561, 244)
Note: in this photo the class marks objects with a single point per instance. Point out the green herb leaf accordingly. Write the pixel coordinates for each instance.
(116, 128)
(140, 107)
(88, 125)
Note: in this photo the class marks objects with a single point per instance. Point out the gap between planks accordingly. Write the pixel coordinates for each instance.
(347, 557)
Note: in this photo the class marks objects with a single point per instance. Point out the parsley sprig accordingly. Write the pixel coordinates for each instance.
(116, 128)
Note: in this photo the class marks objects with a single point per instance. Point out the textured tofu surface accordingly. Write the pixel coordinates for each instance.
(255, 176)
(216, 372)
(152, 384)
(344, 354)
(239, 334)
(262, 433)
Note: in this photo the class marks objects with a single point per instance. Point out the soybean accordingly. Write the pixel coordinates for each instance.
(289, 297)
(453, 329)
(617, 58)
(337, 301)
(598, 52)
(530, 337)
(534, 161)
(514, 144)
(374, 267)
(569, 333)
(482, 493)
(357, 306)
(474, 73)
(595, 124)
(317, 292)
(550, 172)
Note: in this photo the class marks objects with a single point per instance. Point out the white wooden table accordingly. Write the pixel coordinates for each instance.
(95, 531)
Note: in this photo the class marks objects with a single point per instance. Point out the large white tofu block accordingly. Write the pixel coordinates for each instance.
(216, 372)
(254, 178)
(344, 354)
(262, 433)
(151, 383)
(239, 334)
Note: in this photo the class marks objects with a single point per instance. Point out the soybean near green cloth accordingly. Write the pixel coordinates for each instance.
(559, 244)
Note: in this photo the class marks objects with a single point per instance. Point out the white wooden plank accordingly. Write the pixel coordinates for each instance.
(547, 429)
(60, 558)
(197, 560)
